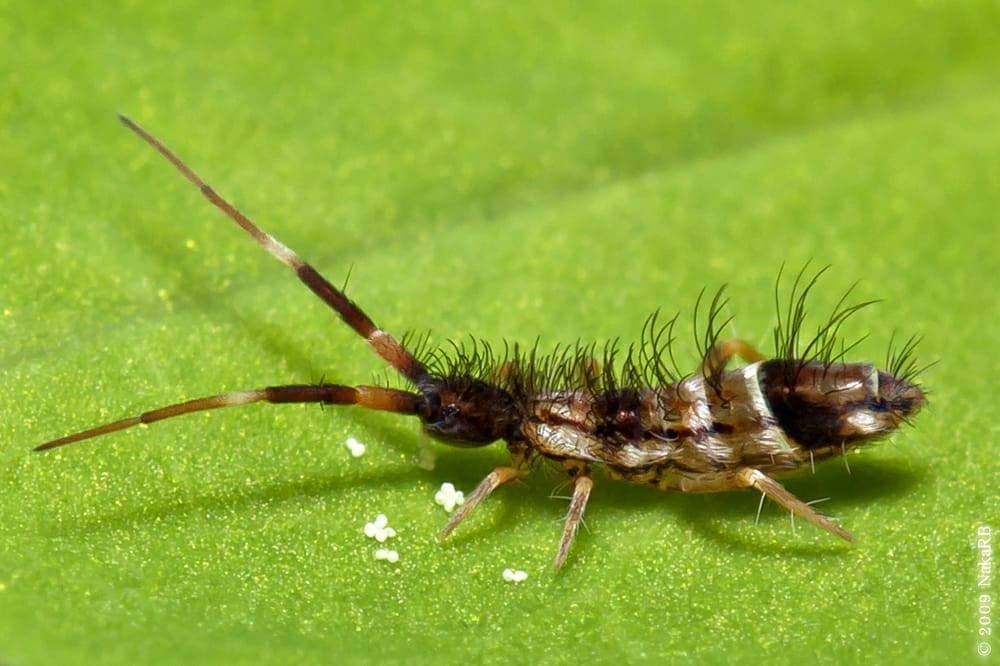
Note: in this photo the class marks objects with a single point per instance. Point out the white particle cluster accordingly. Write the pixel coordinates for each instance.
(449, 498)
(356, 447)
(379, 529)
(512, 576)
(387, 555)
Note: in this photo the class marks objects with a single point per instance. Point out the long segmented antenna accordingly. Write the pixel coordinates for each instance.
(383, 343)
(371, 397)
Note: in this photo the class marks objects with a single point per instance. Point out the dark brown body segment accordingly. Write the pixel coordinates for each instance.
(838, 405)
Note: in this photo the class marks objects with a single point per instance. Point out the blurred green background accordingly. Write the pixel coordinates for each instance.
(512, 171)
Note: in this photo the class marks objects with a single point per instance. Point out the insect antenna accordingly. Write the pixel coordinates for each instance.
(370, 397)
(380, 341)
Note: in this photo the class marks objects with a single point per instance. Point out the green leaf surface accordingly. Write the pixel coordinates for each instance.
(547, 171)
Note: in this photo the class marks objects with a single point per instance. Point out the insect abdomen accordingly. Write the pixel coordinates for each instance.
(820, 405)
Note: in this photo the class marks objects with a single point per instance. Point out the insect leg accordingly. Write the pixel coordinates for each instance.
(754, 478)
(493, 480)
(582, 486)
(371, 397)
(381, 342)
(719, 355)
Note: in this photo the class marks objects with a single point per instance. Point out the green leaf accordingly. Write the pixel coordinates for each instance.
(553, 171)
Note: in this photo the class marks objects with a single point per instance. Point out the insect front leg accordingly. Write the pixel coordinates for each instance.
(582, 485)
(493, 480)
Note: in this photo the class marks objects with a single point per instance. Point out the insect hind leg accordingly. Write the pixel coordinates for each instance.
(722, 352)
(754, 478)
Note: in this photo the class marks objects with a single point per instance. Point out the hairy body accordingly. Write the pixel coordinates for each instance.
(713, 430)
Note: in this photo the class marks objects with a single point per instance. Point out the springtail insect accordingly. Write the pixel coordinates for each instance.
(713, 430)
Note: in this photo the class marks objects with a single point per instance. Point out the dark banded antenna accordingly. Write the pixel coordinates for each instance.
(370, 397)
(382, 342)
